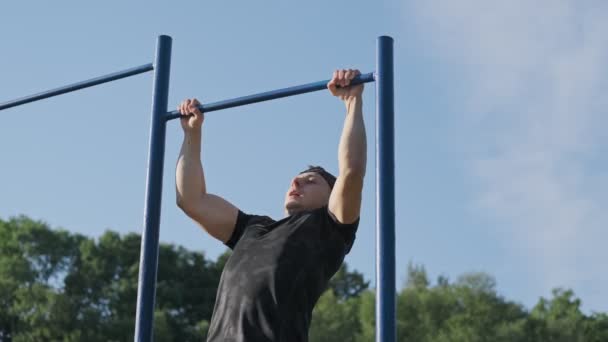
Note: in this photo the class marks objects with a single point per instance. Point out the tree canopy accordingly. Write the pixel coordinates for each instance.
(60, 286)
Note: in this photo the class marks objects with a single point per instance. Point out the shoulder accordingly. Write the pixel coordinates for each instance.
(328, 218)
(243, 222)
(346, 231)
(246, 220)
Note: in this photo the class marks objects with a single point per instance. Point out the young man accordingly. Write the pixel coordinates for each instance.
(278, 269)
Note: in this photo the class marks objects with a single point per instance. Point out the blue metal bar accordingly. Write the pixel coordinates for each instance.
(270, 95)
(385, 193)
(79, 85)
(148, 263)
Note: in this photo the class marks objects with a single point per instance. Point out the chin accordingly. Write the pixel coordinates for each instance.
(293, 207)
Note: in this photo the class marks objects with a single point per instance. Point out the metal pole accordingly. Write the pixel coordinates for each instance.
(271, 95)
(148, 264)
(385, 193)
(76, 86)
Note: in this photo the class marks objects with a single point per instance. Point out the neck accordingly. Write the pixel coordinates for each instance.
(292, 211)
(298, 209)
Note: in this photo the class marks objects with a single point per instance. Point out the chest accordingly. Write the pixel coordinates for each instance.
(304, 242)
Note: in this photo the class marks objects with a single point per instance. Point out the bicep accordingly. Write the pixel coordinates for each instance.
(215, 215)
(345, 199)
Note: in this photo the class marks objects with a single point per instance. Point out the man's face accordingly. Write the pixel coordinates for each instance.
(307, 191)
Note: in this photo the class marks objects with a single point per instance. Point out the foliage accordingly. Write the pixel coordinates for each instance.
(59, 286)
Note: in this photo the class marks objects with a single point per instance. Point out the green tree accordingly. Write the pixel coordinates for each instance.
(596, 327)
(58, 286)
(336, 314)
(347, 284)
(416, 276)
(32, 260)
(560, 318)
(63, 287)
(334, 319)
(367, 317)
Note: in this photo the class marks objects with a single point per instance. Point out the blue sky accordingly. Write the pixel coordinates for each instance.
(500, 116)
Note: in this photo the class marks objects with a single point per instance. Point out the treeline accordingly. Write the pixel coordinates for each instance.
(60, 286)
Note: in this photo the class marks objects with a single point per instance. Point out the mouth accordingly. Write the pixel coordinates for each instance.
(294, 193)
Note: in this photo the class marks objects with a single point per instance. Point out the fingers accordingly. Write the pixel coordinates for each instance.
(333, 84)
(349, 75)
(183, 107)
(341, 79)
(345, 76)
(189, 106)
(193, 107)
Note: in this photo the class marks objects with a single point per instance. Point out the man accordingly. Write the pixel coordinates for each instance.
(278, 269)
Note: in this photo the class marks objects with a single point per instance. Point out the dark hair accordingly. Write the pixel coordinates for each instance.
(329, 178)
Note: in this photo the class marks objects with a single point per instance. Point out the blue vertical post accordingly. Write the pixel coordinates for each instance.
(148, 262)
(385, 192)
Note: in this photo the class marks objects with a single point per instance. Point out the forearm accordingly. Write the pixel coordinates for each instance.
(189, 175)
(352, 152)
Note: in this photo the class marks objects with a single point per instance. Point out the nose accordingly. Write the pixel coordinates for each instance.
(295, 183)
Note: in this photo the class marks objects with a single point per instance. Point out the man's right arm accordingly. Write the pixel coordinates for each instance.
(213, 213)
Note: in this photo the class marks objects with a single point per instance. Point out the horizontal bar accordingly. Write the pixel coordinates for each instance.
(270, 95)
(79, 85)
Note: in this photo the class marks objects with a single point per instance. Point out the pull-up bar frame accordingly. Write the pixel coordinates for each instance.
(385, 173)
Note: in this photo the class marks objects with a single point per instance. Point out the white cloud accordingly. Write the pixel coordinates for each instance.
(540, 69)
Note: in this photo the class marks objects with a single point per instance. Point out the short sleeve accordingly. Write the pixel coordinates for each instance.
(347, 231)
(243, 221)
(239, 228)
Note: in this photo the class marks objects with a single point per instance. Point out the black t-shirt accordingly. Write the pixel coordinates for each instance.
(275, 275)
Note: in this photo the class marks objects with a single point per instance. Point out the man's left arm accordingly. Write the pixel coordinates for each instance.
(345, 199)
